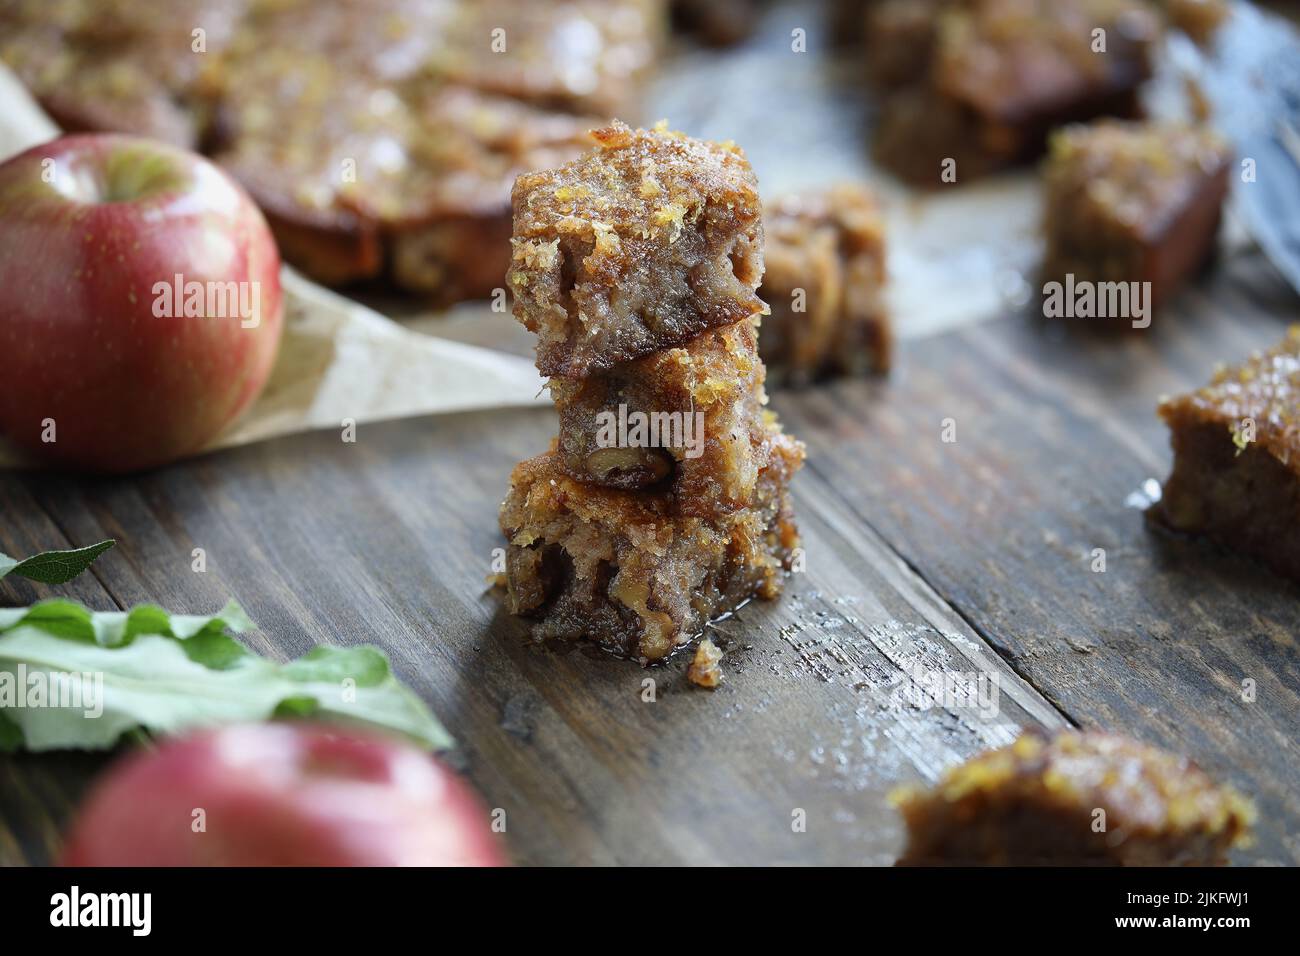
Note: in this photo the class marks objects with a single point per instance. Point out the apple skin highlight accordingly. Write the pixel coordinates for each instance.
(282, 794)
(91, 228)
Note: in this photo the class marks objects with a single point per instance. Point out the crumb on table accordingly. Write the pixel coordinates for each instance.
(705, 669)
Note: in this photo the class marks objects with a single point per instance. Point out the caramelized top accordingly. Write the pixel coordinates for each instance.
(576, 54)
(638, 184)
(329, 112)
(119, 65)
(393, 156)
(850, 209)
(584, 55)
(640, 245)
(391, 110)
(1144, 789)
(1138, 174)
(1265, 389)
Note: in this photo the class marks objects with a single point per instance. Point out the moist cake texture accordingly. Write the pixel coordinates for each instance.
(634, 248)
(1076, 799)
(824, 282)
(1133, 202)
(637, 267)
(626, 569)
(1236, 474)
(705, 399)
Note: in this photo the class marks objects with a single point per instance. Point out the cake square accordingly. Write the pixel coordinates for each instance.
(899, 38)
(1077, 799)
(117, 65)
(689, 420)
(1236, 474)
(449, 232)
(1133, 202)
(357, 176)
(636, 247)
(995, 76)
(623, 568)
(824, 283)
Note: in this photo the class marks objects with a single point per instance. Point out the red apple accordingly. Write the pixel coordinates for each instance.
(282, 795)
(104, 367)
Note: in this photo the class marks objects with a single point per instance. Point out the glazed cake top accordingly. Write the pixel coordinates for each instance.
(640, 245)
(446, 151)
(1012, 59)
(1137, 174)
(644, 184)
(1265, 389)
(1143, 788)
(438, 103)
(848, 208)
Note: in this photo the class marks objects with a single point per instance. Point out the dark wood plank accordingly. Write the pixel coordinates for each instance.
(389, 541)
(1054, 432)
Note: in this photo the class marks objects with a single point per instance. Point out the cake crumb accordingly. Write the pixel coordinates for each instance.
(704, 670)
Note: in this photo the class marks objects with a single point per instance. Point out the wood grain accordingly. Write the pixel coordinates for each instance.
(389, 541)
(1054, 432)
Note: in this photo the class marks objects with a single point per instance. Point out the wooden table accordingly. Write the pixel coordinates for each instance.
(923, 556)
(974, 556)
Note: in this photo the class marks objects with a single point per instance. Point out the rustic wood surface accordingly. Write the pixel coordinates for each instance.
(923, 556)
(968, 556)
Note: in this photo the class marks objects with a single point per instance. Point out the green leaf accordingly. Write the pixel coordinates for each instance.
(54, 567)
(123, 671)
(116, 628)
